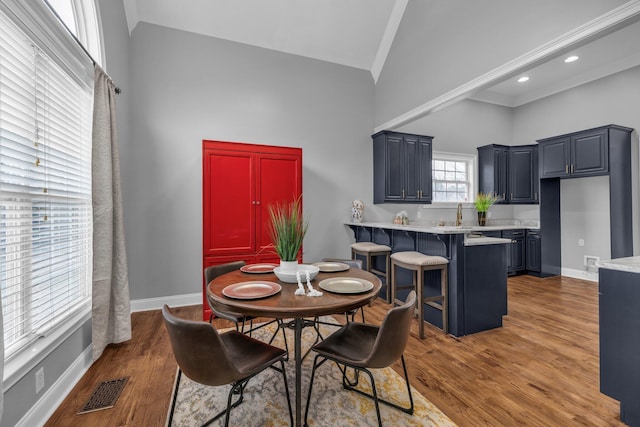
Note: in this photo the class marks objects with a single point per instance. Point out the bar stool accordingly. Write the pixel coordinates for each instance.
(369, 250)
(418, 263)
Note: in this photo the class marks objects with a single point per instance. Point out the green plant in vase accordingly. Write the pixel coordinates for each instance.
(287, 231)
(483, 202)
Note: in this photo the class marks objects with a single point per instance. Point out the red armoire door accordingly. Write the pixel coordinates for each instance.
(278, 182)
(228, 202)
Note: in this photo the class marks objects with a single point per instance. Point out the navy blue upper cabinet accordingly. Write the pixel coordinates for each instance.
(492, 171)
(523, 174)
(511, 173)
(401, 168)
(583, 153)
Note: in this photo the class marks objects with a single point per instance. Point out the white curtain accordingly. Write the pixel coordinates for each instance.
(111, 318)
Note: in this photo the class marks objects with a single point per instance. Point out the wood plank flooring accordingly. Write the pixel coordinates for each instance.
(540, 369)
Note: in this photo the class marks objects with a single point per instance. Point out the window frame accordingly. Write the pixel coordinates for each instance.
(472, 168)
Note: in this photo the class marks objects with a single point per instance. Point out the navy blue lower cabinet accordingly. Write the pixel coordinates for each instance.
(485, 287)
(620, 341)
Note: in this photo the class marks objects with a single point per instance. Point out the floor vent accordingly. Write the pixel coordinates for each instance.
(104, 396)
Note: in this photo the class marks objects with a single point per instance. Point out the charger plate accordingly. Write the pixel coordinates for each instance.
(251, 290)
(346, 285)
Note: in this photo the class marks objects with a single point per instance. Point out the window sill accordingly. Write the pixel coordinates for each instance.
(30, 357)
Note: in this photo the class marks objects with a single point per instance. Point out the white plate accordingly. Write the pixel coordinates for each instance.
(302, 268)
(331, 267)
(258, 268)
(251, 290)
(346, 285)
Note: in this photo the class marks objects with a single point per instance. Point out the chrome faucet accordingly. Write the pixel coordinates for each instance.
(459, 215)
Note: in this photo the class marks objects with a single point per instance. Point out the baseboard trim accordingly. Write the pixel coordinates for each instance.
(172, 301)
(53, 397)
(580, 274)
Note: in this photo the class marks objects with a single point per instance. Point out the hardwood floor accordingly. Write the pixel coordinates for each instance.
(540, 369)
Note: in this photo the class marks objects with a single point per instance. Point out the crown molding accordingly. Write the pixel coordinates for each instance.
(387, 38)
(131, 13)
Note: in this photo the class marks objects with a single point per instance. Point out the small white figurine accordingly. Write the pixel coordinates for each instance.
(357, 211)
(300, 290)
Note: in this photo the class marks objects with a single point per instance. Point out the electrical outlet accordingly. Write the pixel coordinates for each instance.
(580, 242)
(39, 380)
(590, 263)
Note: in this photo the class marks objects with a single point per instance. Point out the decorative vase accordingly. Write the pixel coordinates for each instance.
(482, 218)
(289, 266)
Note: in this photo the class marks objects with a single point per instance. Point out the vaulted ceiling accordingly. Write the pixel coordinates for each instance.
(356, 33)
(359, 33)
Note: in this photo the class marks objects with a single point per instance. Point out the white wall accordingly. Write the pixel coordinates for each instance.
(187, 88)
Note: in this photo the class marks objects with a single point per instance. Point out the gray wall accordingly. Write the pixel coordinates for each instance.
(186, 88)
(459, 128)
(441, 45)
(585, 202)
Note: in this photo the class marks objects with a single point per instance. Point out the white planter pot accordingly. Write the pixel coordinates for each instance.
(289, 267)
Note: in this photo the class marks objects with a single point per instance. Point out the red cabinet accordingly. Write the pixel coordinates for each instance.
(240, 181)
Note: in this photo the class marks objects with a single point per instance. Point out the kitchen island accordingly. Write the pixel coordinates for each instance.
(619, 283)
(477, 271)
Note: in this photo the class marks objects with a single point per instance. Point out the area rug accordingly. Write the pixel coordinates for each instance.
(265, 403)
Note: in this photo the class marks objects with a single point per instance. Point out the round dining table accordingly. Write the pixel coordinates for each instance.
(284, 304)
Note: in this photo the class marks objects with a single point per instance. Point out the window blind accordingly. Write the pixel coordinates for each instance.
(45, 189)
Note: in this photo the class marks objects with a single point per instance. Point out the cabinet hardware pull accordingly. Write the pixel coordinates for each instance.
(257, 202)
(511, 196)
(535, 196)
(572, 169)
(403, 194)
(566, 168)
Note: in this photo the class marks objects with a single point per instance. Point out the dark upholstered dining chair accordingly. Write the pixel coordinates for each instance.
(363, 347)
(238, 319)
(210, 358)
(211, 273)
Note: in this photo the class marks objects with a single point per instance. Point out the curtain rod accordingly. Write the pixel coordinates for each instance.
(84, 49)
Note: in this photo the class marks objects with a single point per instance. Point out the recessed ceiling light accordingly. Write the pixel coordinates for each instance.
(523, 79)
(572, 58)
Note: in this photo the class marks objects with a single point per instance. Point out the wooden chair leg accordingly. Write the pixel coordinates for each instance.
(420, 290)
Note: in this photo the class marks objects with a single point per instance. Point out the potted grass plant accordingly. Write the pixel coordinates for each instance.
(483, 202)
(287, 232)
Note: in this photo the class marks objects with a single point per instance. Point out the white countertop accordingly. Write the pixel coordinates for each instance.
(423, 228)
(630, 264)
